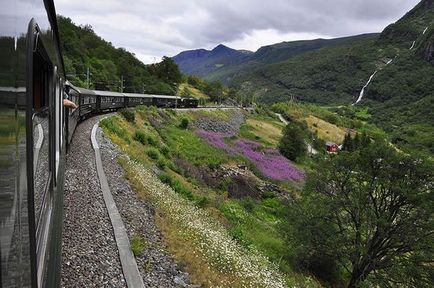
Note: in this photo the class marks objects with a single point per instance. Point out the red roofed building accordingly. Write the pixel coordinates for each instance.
(332, 147)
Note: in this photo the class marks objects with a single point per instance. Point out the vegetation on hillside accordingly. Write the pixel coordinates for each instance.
(363, 218)
(366, 217)
(400, 97)
(110, 68)
(192, 162)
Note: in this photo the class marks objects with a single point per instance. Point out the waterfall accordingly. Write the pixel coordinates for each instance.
(412, 45)
(424, 31)
(364, 87)
(388, 62)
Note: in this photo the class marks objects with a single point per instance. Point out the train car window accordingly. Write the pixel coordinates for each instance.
(41, 134)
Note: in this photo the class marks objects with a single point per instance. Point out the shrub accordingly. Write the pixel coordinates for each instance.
(151, 140)
(137, 245)
(203, 201)
(139, 136)
(176, 186)
(165, 178)
(153, 154)
(161, 163)
(113, 127)
(184, 123)
(165, 150)
(248, 204)
(292, 144)
(128, 115)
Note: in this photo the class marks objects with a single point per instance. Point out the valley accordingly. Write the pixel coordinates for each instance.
(305, 164)
(335, 72)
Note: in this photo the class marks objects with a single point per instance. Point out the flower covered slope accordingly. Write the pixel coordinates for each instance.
(268, 161)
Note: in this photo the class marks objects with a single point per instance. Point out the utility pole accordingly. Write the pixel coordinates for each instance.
(88, 77)
(122, 84)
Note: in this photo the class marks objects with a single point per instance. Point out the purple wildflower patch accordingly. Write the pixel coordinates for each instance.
(217, 140)
(269, 161)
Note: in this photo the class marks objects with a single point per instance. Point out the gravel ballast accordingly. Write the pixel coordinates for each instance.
(156, 266)
(89, 252)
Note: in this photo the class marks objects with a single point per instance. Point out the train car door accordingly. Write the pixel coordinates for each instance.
(42, 150)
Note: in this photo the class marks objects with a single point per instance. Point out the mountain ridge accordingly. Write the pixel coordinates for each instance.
(400, 97)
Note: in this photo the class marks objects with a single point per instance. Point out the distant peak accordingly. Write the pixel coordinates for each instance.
(221, 47)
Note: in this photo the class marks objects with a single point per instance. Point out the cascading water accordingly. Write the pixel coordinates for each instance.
(362, 92)
(412, 45)
(364, 87)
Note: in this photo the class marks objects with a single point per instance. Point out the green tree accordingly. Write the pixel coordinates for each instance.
(168, 70)
(369, 212)
(292, 144)
(347, 145)
(214, 90)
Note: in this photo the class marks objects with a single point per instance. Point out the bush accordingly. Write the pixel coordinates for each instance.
(292, 145)
(140, 137)
(128, 115)
(153, 154)
(113, 127)
(137, 245)
(165, 150)
(161, 163)
(203, 201)
(151, 140)
(184, 123)
(176, 186)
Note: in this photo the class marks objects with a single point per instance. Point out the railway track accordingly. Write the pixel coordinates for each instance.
(101, 214)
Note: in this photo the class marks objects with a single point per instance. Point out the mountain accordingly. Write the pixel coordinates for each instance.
(224, 64)
(202, 62)
(400, 97)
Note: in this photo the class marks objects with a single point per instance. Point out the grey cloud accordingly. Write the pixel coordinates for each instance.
(157, 27)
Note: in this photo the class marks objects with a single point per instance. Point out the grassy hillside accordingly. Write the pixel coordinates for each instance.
(224, 195)
(217, 219)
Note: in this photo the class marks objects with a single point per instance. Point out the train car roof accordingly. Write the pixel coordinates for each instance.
(166, 96)
(80, 90)
(136, 95)
(108, 93)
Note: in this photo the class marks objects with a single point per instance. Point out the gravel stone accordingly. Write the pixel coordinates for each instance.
(231, 126)
(89, 253)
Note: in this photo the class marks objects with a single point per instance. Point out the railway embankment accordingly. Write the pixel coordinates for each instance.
(90, 255)
(219, 187)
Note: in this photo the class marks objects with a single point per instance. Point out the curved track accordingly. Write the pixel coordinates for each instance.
(102, 213)
(89, 251)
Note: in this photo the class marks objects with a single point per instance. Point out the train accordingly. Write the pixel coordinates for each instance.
(35, 130)
(91, 102)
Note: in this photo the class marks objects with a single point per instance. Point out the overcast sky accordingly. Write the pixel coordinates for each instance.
(153, 28)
